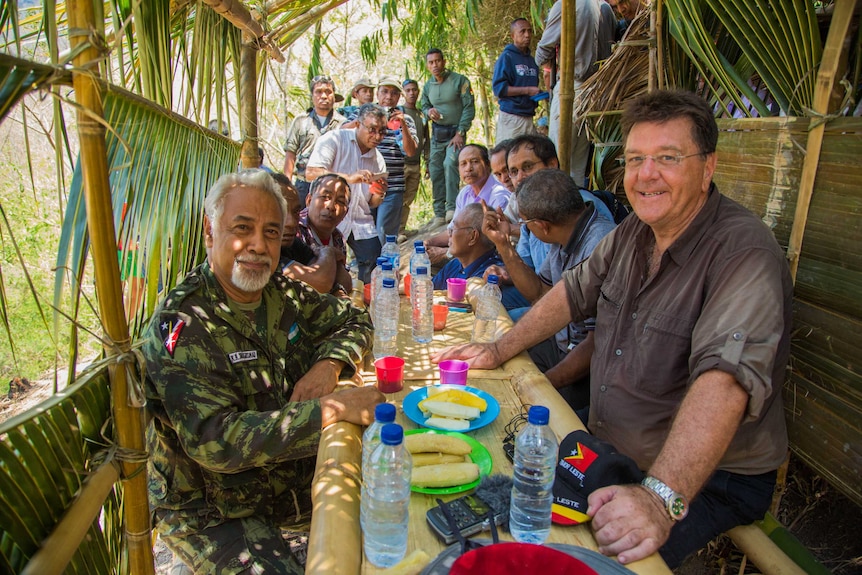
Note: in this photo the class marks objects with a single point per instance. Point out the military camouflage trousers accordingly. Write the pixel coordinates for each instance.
(247, 546)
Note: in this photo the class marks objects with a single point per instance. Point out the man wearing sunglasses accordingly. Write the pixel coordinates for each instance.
(306, 128)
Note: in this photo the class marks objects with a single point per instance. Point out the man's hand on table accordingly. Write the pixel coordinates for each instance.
(478, 355)
(628, 521)
(351, 404)
(318, 381)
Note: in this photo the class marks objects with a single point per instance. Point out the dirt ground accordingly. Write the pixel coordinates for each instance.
(824, 520)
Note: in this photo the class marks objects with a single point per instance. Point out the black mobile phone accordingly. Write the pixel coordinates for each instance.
(471, 517)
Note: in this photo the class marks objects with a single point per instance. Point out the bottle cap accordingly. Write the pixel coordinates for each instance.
(382, 260)
(492, 279)
(538, 415)
(384, 413)
(387, 266)
(418, 244)
(389, 282)
(422, 270)
(391, 239)
(391, 434)
(420, 249)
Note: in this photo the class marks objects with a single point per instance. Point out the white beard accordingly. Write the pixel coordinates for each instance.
(249, 281)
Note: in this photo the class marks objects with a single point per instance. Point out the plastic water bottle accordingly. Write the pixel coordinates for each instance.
(384, 270)
(534, 470)
(385, 505)
(487, 306)
(422, 299)
(419, 257)
(391, 252)
(384, 413)
(386, 311)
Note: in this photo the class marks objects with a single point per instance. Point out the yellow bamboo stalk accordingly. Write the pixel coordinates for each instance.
(826, 75)
(129, 421)
(568, 39)
(60, 546)
(248, 102)
(763, 551)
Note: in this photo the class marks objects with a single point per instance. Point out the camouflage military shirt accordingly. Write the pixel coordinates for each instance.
(225, 442)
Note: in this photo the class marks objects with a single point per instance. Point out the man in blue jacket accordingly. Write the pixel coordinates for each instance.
(516, 80)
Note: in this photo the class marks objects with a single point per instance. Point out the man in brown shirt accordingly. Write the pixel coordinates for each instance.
(692, 300)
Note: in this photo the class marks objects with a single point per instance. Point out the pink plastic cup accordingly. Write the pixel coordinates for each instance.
(441, 312)
(390, 374)
(453, 372)
(456, 288)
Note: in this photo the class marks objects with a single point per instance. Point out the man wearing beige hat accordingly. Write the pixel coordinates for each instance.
(362, 92)
(398, 142)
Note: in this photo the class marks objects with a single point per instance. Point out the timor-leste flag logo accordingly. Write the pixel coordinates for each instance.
(171, 333)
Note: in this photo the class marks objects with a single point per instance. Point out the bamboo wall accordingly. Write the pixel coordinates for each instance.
(759, 165)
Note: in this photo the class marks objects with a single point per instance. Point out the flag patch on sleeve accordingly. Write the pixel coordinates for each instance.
(171, 333)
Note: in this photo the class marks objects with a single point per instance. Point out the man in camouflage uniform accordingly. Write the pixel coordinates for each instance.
(242, 368)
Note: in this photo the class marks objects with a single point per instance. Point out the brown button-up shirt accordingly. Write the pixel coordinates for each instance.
(721, 299)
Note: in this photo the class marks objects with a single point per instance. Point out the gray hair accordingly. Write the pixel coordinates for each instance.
(472, 215)
(252, 178)
(372, 110)
(550, 195)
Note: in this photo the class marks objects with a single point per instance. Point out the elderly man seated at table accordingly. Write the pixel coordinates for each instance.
(322, 269)
(242, 369)
(474, 166)
(692, 300)
(472, 253)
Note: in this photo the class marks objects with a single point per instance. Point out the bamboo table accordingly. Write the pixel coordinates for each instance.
(335, 542)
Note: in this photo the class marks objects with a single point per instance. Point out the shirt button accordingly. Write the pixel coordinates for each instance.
(599, 423)
(604, 388)
(737, 335)
(618, 352)
(634, 315)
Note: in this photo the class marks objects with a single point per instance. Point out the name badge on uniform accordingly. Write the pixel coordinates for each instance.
(293, 333)
(241, 356)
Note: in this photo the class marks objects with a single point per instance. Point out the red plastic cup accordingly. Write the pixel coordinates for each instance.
(407, 285)
(453, 372)
(456, 288)
(390, 374)
(366, 294)
(441, 312)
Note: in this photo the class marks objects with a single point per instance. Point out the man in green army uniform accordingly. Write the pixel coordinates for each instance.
(447, 100)
(242, 369)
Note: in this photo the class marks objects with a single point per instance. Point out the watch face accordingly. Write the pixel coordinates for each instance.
(677, 508)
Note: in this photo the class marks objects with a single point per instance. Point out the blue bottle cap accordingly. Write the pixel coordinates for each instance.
(382, 260)
(538, 415)
(421, 271)
(391, 239)
(389, 282)
(391, 434)
(492, 279)
(387, 266)
(418, 244)
(420, 249)
(384, 413)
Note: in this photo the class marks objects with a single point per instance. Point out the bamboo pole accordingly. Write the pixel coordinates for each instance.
(568, 38)
(60, 546)
(248, 102)
(832, 55)
(128, 420)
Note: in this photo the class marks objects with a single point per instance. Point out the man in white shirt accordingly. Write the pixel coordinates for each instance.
(353, 155)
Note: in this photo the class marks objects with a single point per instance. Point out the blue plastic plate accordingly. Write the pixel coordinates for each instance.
(412, 411)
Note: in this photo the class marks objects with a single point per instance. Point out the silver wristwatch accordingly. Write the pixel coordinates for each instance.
(675, 503)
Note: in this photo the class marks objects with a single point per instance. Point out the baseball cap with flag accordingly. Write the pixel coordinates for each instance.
(585, 464)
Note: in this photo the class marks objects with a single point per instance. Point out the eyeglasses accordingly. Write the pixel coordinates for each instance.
(661, 160)
(453, 230)
(525, 222)
(378, 131)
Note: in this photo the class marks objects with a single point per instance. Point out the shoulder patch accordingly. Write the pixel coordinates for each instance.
(170, 330)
